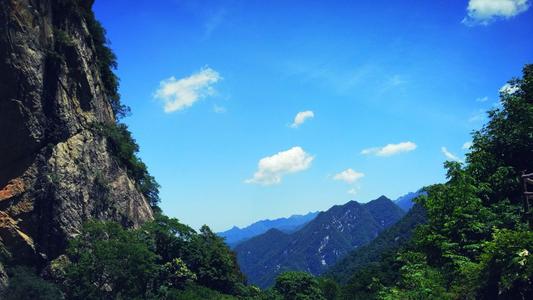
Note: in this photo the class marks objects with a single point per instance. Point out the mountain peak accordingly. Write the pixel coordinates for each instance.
(317, 245)
(382, 198)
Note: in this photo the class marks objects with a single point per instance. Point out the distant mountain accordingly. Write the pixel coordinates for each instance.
(405, 202)
(319, 244)
(236, 235)
(388, 240)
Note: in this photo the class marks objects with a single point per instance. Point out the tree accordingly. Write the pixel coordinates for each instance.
(177, 274)
(507, 265)
(169, 238)
(109, 262)
(418, 280)
(330, 289)
(503, 148)
(24, 284)
(298, 286)
(214, 263)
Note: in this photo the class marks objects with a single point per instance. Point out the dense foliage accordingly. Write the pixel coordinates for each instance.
(24, 284)
(164, 259)
(298, 286)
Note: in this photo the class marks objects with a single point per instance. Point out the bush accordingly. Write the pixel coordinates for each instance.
(24, 284)
(193, 292)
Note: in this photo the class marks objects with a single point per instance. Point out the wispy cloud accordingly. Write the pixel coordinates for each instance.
(349, 176)
(219, 109)
(449, 155)
(390, 149)
(340, 77)
(482, 99)
(213, 22)
(178, 94)
(301, 117)
(353, 191)
(483, 12)
(466, 145)
(271, 169)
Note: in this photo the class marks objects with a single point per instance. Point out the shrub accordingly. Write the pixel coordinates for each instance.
(24, 284)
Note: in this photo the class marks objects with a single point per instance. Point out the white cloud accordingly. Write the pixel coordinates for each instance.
(271, 169)
(466, 145)
(178, 94)
(509, 89)
(219, 109)
(352, 191)
(300, 118)
(390, 149)
(449, 155)
(483, 12)
(348, 176)
(482, 99)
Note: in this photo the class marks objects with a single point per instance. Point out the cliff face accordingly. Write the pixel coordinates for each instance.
(56, 171)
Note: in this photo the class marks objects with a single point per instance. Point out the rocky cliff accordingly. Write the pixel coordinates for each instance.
(56, 169)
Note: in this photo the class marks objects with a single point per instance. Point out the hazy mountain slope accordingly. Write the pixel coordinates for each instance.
(319, 244)
(236, 235)
(405, 202)
(388, 240)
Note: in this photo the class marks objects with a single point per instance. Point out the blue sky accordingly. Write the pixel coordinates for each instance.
(386, 91)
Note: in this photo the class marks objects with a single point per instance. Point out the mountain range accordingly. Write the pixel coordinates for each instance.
(388, 241)
(317, 245)
(236, 235)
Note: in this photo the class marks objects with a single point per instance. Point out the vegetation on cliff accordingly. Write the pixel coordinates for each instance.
(120, 140)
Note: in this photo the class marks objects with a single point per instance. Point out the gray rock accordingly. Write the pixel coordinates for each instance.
(55, 170)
